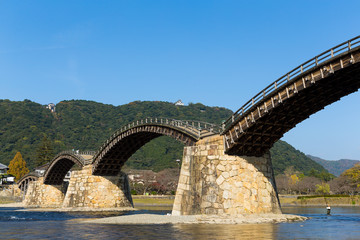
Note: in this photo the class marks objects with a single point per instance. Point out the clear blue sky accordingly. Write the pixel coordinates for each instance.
(219, 53)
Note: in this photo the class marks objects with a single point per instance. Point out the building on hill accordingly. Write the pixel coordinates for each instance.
(141, 176)
(3, 168)
(179, 103)
(5, 178)
(51, 106)
(41, 169)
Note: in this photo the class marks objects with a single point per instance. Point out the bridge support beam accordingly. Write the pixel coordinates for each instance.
(87, 190)
(212, 182)
(39, 194)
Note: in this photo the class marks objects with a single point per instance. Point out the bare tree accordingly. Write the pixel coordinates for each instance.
(342, 185)
(307, 185)
(167, 180)
(148, 178)
(283, 183)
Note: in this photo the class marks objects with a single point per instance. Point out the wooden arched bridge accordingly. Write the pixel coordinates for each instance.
(127, 140)
(324, 79)
(63, 162)
(23, 183)
(247, 135)
(109, 159)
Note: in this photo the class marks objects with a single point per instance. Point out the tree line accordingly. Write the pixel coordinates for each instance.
(295, 182)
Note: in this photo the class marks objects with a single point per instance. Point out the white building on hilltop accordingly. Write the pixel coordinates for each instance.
(179, 103)
(51, 106)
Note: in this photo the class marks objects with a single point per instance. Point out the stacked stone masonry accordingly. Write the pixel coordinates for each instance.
(212, 182)
(42, 195)
(84, 190)
(87, 190)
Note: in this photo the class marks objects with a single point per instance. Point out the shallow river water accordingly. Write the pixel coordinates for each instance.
(344, 223)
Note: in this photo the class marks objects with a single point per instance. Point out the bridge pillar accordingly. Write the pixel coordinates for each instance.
(87, 190)
(212, 182)
(39, 194)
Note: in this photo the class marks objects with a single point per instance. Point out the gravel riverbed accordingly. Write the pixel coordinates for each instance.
(196, 219)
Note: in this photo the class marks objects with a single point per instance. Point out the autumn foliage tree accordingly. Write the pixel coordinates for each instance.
(17, 167)
(354, 175)
(323, 188)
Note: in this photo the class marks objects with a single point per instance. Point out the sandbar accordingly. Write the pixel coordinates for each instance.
(198, 219)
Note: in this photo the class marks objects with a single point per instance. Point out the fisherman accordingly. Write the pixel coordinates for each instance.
(328, 209)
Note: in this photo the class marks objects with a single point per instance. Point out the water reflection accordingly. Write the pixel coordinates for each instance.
(343, 223)
(225, 231)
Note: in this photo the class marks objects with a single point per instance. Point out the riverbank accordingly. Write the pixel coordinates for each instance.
(294, 200)
(285, 200)
(166, 202)
(153, 201)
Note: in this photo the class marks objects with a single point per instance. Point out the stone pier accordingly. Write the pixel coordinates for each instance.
(212, 182)
(87, 190)
(42, 195)
(84, 191)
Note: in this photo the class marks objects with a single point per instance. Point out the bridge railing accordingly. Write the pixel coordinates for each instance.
(190, 126)
(283, 80)
(78, 153)
(30, 174)
(194, 126)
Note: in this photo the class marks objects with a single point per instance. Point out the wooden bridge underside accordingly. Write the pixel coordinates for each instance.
(23, 182)
(59, 166)
(112, 156)
(255, 133)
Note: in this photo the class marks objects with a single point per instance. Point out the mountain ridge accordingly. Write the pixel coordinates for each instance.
(335, 167)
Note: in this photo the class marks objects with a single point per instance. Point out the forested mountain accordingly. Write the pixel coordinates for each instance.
(85, 125)
(335, 167)
(284, 155)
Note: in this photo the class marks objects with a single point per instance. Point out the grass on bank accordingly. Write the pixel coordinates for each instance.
(320, 200)
(153, 201)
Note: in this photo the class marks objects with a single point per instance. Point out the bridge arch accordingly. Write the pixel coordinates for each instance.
(307, 89)
(60, 165)
(23, 183)
(126, 141)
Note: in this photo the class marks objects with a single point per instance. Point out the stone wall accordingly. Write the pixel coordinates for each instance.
(42, 195)
(212, 182)
(86, 190)
(10, 191)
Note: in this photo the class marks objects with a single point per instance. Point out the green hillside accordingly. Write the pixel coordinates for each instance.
(284, 155)
(85, 125)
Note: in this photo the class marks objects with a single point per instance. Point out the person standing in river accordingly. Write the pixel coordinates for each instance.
(328, 209)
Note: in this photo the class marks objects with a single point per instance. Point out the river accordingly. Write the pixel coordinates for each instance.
(344, 223)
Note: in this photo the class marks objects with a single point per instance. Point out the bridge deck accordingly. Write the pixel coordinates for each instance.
(255, 127)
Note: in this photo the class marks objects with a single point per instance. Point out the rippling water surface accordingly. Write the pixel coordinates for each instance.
(344, 223)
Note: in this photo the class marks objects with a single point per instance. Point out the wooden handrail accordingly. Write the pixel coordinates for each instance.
(301, 69)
